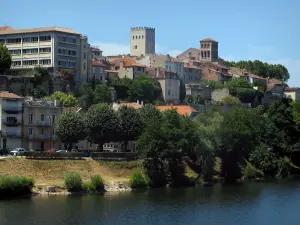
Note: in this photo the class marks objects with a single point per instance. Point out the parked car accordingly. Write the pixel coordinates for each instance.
(36, 150)
(18, 151)
(63, 151)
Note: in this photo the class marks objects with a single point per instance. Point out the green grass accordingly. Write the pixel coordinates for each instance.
(15, 185)
(123, 165)
(137, 180)
(73, 182)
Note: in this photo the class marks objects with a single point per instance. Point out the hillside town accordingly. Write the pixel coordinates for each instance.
(50, 60)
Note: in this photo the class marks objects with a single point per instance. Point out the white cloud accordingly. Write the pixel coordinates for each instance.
(116, 49)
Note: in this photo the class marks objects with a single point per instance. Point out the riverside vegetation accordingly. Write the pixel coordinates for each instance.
(227, 146)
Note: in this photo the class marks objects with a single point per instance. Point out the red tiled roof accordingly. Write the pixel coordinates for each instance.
(128, 62)
(187, 65)
(184, 110)
(255, 76)
(291, 89)
(98, 63)
(209, 39)
(5, 28)
(4, 94)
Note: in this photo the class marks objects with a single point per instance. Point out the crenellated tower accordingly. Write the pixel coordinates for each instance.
(142, 41)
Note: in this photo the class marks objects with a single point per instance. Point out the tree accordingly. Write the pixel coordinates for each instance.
(102, 94)
(102, 124)
(239, 134)
(182, 91)
(5, 58)
(40, 75)
(130, 124)
(67, 100)
(86, 98)
(149, 113)
(230, 101)
(70, 127)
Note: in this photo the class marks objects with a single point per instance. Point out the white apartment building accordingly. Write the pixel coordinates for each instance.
(52, 47)
(11, 114)
(142, 41)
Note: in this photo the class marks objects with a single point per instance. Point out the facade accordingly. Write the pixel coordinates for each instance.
(85, 62)
(142, 41)
(127, 67)
(192, 74)
(98, 71)
(217, 72)
(96, 52)
(293, 93)
(54, 48)
(11, 109)
(39, 124)
(169, 82)
(209, 50)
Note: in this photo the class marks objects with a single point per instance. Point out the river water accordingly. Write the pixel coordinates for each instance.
(276, 203)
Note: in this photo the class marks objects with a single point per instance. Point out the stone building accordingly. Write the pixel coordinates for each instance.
(142, 41)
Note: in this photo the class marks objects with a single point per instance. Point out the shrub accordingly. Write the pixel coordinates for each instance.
(251, 172)
(137, 180)
(73, 181)
(97, 183)
(285, 167)
(15, 185)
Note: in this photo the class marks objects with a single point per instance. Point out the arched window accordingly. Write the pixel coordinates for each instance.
(204, 54)
(208, 54)
(142, 36)
(201, 54)
(136, 37)
(133, 37)
(139, 37)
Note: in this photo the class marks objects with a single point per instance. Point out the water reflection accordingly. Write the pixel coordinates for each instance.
(251, 203)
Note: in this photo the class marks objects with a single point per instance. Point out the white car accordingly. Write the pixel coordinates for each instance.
(18, 151)
(62, 151)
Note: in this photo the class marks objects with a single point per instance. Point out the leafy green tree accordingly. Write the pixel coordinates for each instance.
(239, 134)
(230, 101)
(5, 58)
(130, 124)
(40, 75)
(102, 94)
(182, 91)
(67, 100)
(70, 127)
(86, 98)
(102, 124)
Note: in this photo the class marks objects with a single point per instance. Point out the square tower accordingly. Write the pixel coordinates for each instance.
(142, 41)
(209, 50)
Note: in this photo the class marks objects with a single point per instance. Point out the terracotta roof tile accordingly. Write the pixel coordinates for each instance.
(98, 63)
(42, 29)
(128, 62)
(184, 110)
(5, 28)
(4, 94)
(187, 65)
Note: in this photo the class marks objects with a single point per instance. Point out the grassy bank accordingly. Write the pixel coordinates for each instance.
(51, 172)
(15, 186)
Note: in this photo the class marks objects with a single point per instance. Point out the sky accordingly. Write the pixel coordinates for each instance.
(265, 30)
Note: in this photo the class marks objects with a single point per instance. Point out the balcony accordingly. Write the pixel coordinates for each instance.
(14, 122)
(44, 123)
(12, 134)
(12, 109)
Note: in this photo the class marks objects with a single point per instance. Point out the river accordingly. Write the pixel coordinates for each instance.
(276, 203)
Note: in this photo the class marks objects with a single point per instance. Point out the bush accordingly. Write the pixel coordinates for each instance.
(73, 182)
(15, 185)
(97, 183)
(250, 172)
(137, 180)
(286, 167)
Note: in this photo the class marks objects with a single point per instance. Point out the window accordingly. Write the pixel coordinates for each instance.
(13, 41)
(30, 131)
(2, 40)
(62, 63)
(30, 39)
(135, 47)
(30, 62)
(169, 92)
(139, 36)
(53, 131)
(45, 50)
(84, 66)
(84, 55)
(208, 54)
(53, 119)
(16, 63)
(30, 51)
(15, 52)
(136, 37)
(42, 131)
(45, 38)
(132, 37)
(30, 118)
(42, 117)
(142, 36)
(45, 62)
(53, 144)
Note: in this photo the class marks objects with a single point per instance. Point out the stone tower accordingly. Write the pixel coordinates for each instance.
(209, 50)
(142, 41)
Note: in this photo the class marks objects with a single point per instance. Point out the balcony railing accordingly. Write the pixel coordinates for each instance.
(42, 137)
(12, 134)
(43, 123)
(12, 122)
(16, 109)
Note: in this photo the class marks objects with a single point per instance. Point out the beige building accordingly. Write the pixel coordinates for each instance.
(293, 93)
(54, 48)
(209, 50)
(96, 52)
(127, 67)
(192, 74)
(169, 82)
(40, 117)
(142, 41)
(11, 109)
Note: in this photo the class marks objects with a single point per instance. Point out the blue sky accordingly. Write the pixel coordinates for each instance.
(266, 30)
